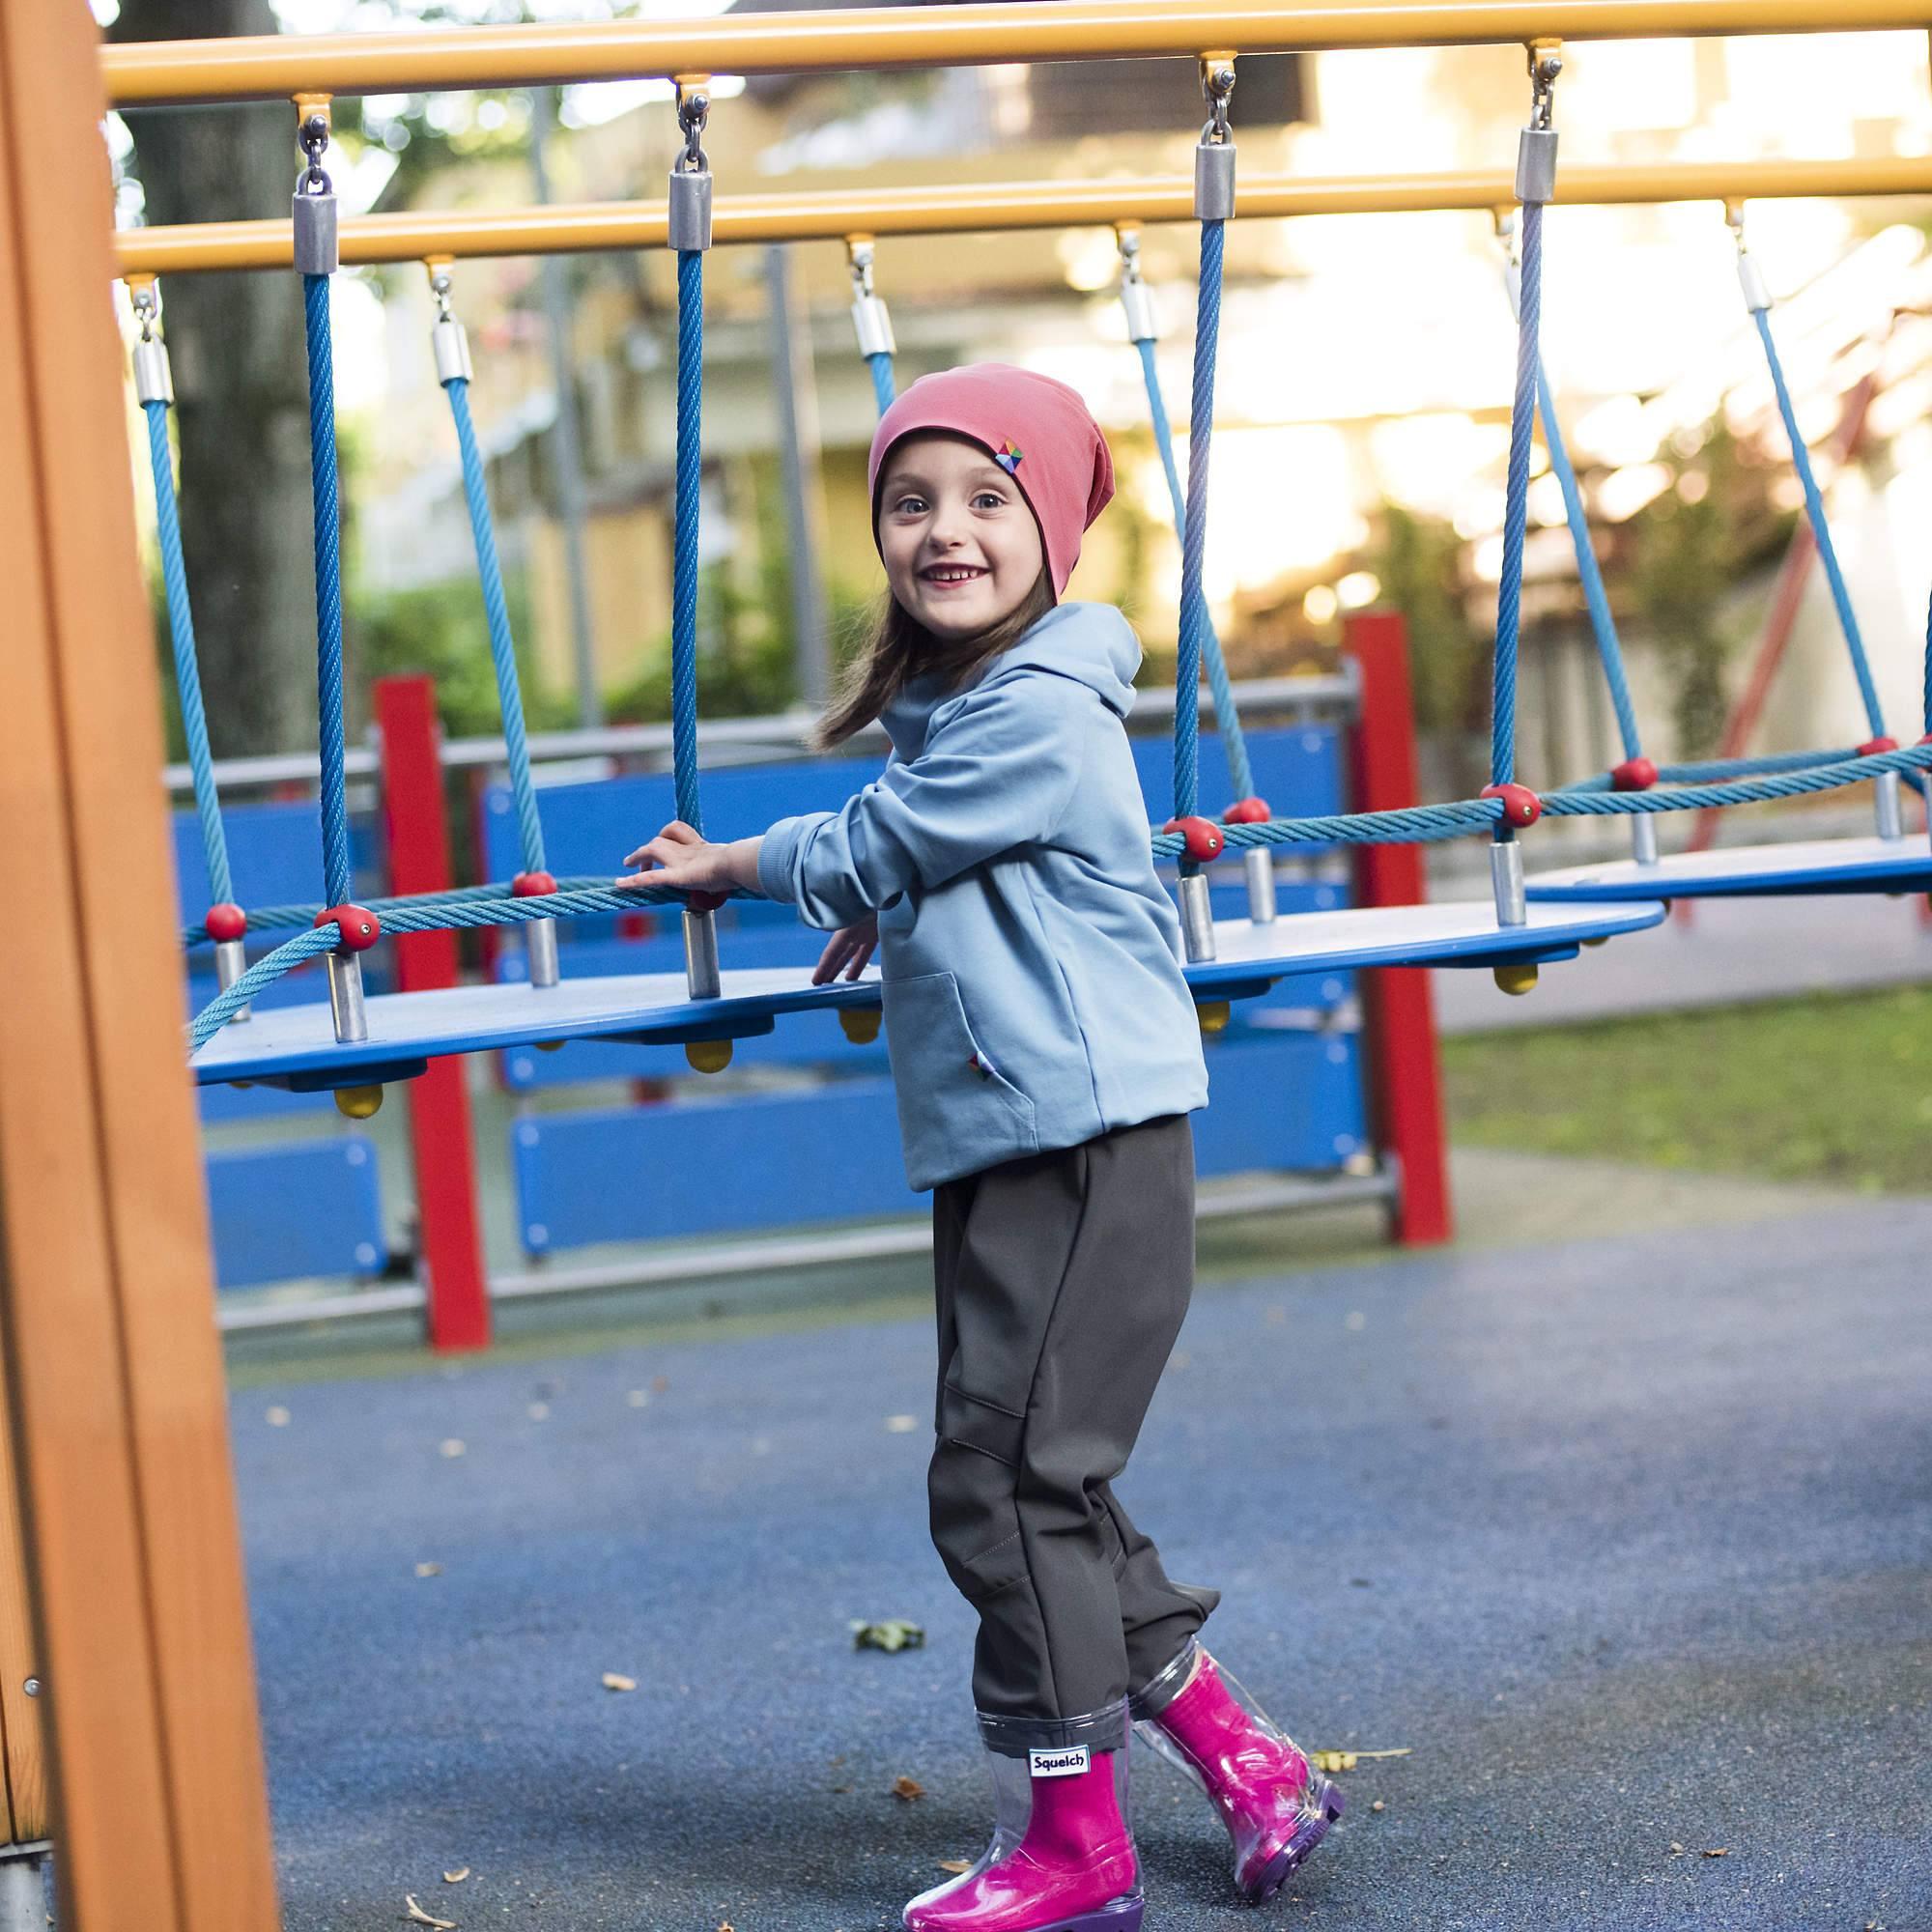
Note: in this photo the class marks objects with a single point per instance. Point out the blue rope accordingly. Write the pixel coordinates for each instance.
(334, 797)
(188, 675)
(884, 390)
(502, 646)
(1515, 511)
(684, 556)
(1194, 532)
(1814, 508)
(1908, 762)
(1227, 719)
(1714, 768)
(1603, 626)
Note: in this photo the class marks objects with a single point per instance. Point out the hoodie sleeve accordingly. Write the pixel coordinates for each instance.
(1000, 772)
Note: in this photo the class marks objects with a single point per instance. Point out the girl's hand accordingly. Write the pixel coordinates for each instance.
(847, 951)
(686, 860)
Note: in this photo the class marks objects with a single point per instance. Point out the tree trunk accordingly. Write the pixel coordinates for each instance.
(242, 396)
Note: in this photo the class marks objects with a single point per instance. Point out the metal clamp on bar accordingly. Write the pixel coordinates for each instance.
(1506, 878)
(688, 217)
(1197, 918)
(873, 326)
(358, 930)
(448, 339)
(1214, 156)
(1136, 297)
(1536, 145)
(154, 382)
(1757, 298)
(1886, 802)
(317, 246)
(700, 954)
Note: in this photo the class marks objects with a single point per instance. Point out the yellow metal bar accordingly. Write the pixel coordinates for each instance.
(157, 73)
(969, 207)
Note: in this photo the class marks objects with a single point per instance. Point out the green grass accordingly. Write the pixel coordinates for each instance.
(1833, 1089)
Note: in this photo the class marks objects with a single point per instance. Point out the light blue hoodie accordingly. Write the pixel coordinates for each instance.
(1033, 993)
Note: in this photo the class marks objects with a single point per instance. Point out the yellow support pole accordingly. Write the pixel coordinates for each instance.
(163, 74)
(465, 233)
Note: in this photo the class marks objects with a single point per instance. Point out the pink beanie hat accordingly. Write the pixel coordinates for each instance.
(1034, 428)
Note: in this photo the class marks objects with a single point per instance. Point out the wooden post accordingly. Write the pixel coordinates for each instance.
(114, 1374)
(22, 1734)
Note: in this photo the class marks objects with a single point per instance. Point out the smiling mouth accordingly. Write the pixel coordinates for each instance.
(951, 573)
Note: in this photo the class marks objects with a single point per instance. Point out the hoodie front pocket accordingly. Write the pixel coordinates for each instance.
(957, 1110)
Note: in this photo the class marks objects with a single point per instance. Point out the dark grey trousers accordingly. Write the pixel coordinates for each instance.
(1062, 1281)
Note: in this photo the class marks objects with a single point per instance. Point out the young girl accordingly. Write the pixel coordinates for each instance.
(1047, 1058)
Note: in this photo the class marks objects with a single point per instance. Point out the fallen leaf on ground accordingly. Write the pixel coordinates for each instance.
(456, 1877)
(1721, 1852)
(416, 1915)
(908, 1788)
(429, 1568)
(613, 1682)
(955, 1864)
(1347, 1760)
(887, 1633)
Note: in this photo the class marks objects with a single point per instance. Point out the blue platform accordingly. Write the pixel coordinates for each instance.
(1749, 871)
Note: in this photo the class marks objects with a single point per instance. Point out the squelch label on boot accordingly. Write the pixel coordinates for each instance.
(1057, 1763)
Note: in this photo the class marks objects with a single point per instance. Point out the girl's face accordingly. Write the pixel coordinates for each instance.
(961, 549)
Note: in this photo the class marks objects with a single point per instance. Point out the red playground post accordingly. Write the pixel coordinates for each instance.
(1398, 1008)
(417, 841)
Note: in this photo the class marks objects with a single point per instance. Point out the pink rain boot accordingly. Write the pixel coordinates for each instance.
(1061, 1858)
(1276, 1805)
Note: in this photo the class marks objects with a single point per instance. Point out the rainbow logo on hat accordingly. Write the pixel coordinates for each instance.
(1007, 456)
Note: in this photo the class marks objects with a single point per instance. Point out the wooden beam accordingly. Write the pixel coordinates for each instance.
(113, 1365)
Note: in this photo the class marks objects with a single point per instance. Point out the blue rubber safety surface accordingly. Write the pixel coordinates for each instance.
(1627, 1542)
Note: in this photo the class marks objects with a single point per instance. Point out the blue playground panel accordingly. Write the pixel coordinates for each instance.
(589, 827)
(274, 855)
(305, 1207)
(833, 1155)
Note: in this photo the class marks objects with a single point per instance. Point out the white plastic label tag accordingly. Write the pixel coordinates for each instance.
(1058, 1763)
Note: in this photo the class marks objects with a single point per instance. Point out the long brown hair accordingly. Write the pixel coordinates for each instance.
(901, 648)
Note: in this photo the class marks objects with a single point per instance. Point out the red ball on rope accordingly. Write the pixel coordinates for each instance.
(532, 885)
(1247, 811)
(360, 928)
(1633, 774)
(1520, 806)
(1872, 747)
(1202, 838)
(225, 921)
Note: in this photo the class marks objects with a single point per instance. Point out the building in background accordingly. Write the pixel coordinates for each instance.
(1364, 370)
